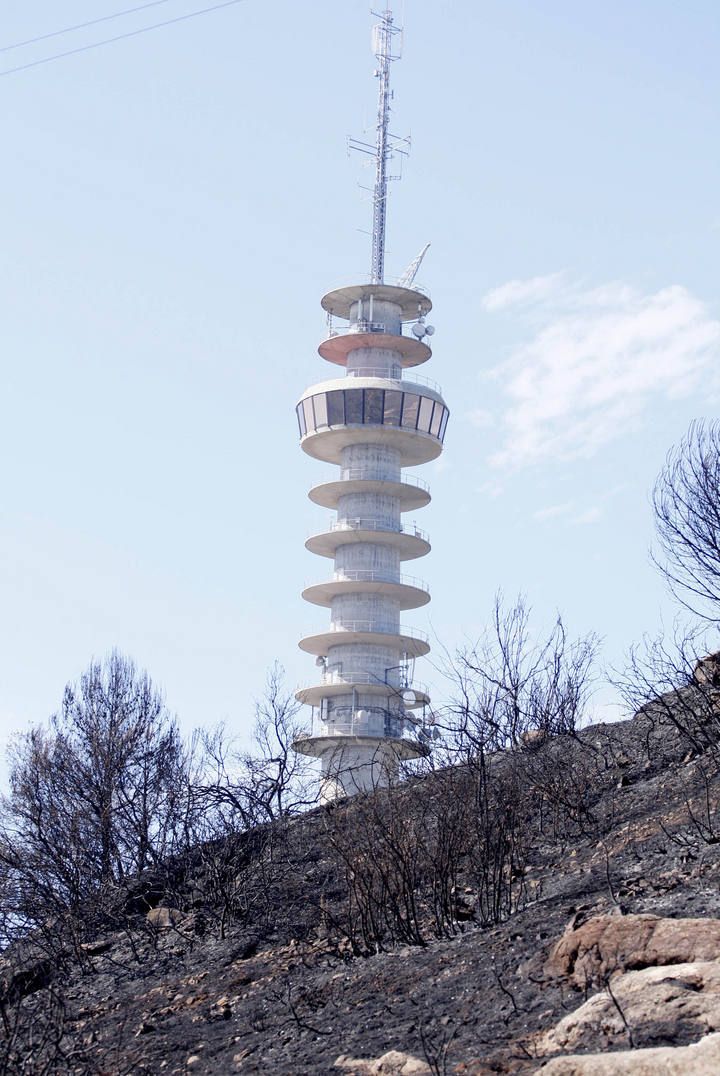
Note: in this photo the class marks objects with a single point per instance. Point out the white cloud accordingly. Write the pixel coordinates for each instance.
(553, 511)
(481, 418)
(595, 362)
(522, 291)
(591, 515)
(492, 489)
(569, 514)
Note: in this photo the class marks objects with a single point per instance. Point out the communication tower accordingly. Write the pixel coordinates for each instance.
(372, 423)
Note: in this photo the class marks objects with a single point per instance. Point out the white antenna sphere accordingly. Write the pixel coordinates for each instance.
(409, 697)
(361, 715)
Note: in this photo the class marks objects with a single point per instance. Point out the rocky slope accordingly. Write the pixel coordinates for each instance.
(611, 963)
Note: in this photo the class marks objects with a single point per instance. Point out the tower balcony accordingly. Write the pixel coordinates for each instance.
(335, 685)
(405, 640)
(409, 541)
(358, 300)
(408, 737)
(337, 346)
(411, 492)
(369, 731)
(408, 591)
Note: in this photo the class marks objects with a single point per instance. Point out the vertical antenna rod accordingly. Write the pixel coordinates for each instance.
(383, 33)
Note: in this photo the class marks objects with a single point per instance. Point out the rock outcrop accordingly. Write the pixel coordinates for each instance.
(663, 1004)
(698, 1059)
(604, 944)
(393, 1063)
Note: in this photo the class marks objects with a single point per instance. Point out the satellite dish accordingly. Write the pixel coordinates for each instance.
(419, 330)
(409, 697)
(361, 715)
(320, 662)
(429, 329)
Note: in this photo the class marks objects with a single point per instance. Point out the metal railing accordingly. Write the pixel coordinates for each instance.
(372, 575)
(360, 677)
(373, 627)
(383, 372)
(377, 525)
(362, 474)
(382, 724)
(418, 379)
(364, 325)
(392, 373)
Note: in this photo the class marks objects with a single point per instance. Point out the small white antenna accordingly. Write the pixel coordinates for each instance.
(386, 144)
(408, 277)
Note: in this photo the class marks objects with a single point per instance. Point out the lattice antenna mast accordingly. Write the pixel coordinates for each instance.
(386, 144)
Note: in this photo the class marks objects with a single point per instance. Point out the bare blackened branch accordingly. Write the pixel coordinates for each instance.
(686, 500)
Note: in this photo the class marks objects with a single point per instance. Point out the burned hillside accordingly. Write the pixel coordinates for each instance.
(437, 920)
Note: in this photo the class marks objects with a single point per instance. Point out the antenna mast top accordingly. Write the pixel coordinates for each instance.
(382, 46)
(385, 144)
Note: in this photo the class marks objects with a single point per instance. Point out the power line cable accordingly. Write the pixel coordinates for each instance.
(81, 26)
(120, 37)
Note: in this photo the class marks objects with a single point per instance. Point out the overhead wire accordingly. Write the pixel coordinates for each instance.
(81, 25)
(120, 37)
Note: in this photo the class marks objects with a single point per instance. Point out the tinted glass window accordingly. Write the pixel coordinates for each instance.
(320, 402)
(374, 405)
(353, 406)
(335, 408)
(426, 406)
(309, 415)
(393, 401)
(410, 410)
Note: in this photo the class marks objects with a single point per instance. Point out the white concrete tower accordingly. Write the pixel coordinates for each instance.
(367, 710)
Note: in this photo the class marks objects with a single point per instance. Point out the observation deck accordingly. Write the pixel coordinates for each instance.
(407, 416)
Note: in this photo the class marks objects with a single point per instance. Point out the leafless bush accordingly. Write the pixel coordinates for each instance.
(467, 814)
(517, 704)
(267, 783)
(564, 781)
(507, 687)
(686, 499)
(676, 692)
(674, 688)
(403, 851)
(378, 852)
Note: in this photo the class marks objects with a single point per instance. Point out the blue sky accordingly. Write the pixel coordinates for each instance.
(175, 206)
